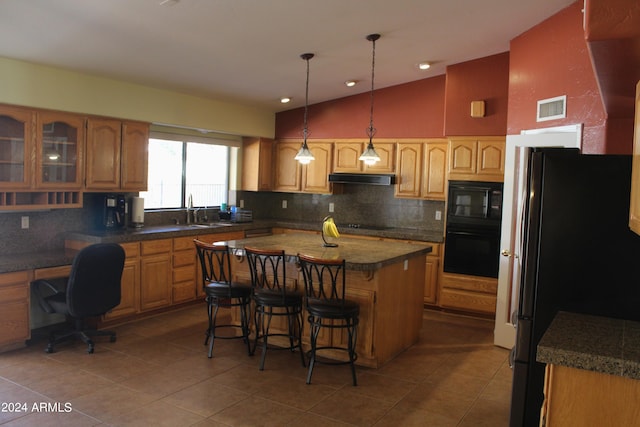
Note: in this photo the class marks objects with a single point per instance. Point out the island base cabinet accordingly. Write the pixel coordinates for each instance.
(577, 397)
(14, 310)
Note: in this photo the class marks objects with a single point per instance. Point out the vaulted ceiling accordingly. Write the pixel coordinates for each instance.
(248, 51)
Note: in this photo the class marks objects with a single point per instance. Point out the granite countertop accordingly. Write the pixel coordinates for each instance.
(362, 255)
(42, 259)
(594, 343)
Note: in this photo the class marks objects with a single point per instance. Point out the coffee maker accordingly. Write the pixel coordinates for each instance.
(115, 212)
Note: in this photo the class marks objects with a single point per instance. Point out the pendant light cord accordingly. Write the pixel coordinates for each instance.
(371, 130)
(305, 130)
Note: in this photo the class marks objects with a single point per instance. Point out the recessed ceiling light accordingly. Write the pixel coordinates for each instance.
(285, 100)
(350, 83)
(424, 65)
(168, 2)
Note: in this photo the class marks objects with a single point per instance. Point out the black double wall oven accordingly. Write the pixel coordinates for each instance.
(472, 238)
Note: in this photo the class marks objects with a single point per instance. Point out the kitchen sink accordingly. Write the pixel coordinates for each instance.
(211, 225)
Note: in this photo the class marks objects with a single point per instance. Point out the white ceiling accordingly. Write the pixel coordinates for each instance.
(248, 51)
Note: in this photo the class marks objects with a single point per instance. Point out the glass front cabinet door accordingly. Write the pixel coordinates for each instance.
(16, 145)
(59, 150)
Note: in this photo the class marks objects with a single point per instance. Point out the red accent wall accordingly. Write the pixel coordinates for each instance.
(410, 110)
(549, 60)
(485, 79)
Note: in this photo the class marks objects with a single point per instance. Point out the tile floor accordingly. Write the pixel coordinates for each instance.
(158, 373)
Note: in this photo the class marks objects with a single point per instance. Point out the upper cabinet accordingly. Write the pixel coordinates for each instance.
(347, 153)
(16, 146)
(477, 158)
(291, 176)
(116, 155)
(59, 150)
(421, 169)
(134, 156)
(634, 210)
(257, 155)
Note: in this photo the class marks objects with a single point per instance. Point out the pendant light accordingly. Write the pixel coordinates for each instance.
(370, 157)
(304, 156)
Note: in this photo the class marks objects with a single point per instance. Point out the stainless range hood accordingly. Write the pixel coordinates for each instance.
(362, 178)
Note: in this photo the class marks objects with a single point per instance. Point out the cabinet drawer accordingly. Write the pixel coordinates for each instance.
(183, 243)
(14, 293)
(184, 274)
(184, 258)
(156, 246)
(15, 278)
(184, 292)
(131, 250)
(470, 283)
(52, 272)
(468, 301)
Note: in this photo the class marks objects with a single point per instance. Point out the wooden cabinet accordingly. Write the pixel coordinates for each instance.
(346, 156)
(116, 155)
(477, 158)
(130, 284)
(257, 154)
(59, 150)
(40, 159)
(468, 293)
(184, 270)
(634, 210)
(134, 158)
(156, 275)
(290, 176)
(287, 175)
(431, 275)
(14, 309)
(580, 397)
(315, 175)
(16, 147)
(421, 169)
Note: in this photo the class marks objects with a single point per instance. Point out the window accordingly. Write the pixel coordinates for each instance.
(180, 168)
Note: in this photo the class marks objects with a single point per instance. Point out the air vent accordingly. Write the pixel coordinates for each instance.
(552, 108)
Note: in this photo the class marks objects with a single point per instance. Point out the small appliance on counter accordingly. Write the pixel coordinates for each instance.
(137, 212)
(241, 215)
(114, 212)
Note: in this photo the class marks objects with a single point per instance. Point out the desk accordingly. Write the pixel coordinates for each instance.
(385, 278)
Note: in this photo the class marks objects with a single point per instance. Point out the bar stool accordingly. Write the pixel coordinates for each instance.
(272, 298)
(220, 291)
(327, 307)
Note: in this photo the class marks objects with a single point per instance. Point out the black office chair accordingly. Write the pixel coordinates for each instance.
(272, 298)
(327, 307)
(92, 289)
(221, 291)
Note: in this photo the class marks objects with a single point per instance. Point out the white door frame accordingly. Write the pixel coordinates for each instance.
(512, 211)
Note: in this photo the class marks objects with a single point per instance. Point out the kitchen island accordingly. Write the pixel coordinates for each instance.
(385, 277)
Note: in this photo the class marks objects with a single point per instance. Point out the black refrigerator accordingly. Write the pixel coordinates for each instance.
(578, 255)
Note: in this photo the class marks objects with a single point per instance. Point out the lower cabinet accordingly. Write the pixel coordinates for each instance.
(130, 284)
(580, 397)
(184, 270)
(431, 275)
(468, 293)
(14, 309)
(155, 274)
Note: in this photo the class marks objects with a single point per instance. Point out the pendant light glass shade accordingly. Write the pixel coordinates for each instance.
(370, 157)
(304, 156)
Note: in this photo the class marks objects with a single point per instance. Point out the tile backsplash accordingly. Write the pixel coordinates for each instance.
(366, 205)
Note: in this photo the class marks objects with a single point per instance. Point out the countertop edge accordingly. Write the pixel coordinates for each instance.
(594, 343)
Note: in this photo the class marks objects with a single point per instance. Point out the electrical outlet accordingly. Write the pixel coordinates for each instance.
(241, 203)
(284, 204)
(25, 222)
(438, 215)
(331, 207)
(406, 265)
